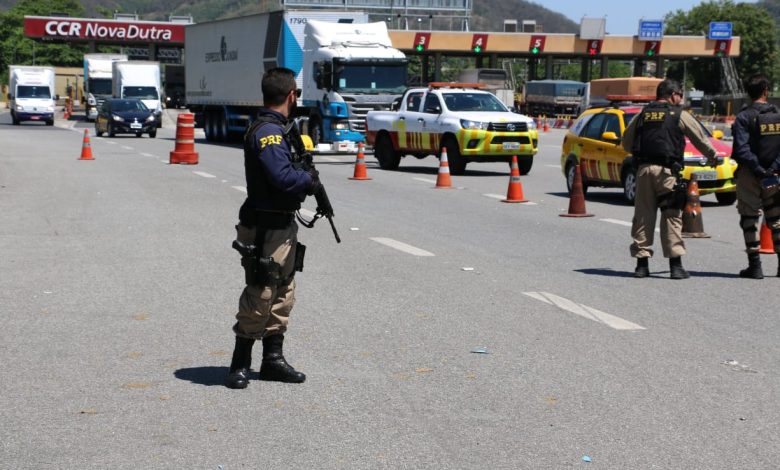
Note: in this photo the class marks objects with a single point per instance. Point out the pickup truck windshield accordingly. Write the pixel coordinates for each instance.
(141, 92)
(371, 78)
(473, 102)
(29, 91)
(100, 86)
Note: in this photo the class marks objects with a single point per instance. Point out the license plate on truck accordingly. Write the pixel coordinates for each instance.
(511, 145)
(706, 175)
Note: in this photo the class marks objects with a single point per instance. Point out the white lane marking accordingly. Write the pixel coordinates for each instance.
(111, 142)
(553, 166)
(148, 155)
(617, 222)
(502, 197)
(239, 188)
(307, 212)
(127, 148)
(402, 246)
(623, 223)
(328, 159)
(584, 311)
(204, 174)
(425, 180)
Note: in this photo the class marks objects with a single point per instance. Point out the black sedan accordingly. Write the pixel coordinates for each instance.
(125, 116)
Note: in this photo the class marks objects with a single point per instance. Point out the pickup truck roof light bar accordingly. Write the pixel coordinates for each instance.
(454, 85)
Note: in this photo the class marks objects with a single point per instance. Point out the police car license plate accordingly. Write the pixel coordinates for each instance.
(135, 125)
(511, 145)
(706, 175)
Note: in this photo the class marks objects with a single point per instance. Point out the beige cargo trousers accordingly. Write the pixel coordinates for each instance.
(652, 183)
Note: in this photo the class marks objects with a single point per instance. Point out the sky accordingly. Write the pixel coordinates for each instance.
(622, 15)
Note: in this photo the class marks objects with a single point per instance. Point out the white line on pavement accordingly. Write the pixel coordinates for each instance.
(148, 155)
(553, 166)
(584, 311)
(622, 222)
(402, 247)
(127, 148)
(111, 142)
(239, 188)
(425, 180)
(204, 174)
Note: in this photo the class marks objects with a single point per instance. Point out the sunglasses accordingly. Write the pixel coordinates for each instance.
(297, 92)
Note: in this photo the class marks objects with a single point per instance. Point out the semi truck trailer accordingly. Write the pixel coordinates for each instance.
(97, 81)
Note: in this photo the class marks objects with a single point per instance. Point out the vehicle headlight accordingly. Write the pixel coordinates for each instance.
(532, 125)
(733, 162)
(91, 101)
(118, 118)
(51, 109)
(150, 118)
(340, 125)
(466, 124)
(19, 107)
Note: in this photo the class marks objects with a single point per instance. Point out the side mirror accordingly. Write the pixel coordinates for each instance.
(609, 136)
(718, 134)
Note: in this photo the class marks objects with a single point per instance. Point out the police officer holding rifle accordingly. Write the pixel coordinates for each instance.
(279, 176)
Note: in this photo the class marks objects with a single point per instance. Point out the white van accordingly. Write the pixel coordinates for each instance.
(31, 94)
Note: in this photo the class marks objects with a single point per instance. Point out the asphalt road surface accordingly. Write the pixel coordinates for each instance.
(118, 289)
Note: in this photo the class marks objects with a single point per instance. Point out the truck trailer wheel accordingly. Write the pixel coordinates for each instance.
(456, 163)
(208, 125)
(384, 152)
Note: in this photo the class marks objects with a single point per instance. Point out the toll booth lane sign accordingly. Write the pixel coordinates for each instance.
(652, 48)
(421, 41)
(720, 30)
(479, 43)
(722, 48)
(594, 47)
(651, 30)
(536, 46)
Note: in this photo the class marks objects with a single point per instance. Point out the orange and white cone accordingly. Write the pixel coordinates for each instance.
(86, 147)
(577, 197)
(443, 180)
(767, 245)
(515, 191)
(360, 165)
(545, 126)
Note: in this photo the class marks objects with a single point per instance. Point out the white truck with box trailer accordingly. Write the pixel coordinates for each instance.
(97, 81)
(31, 94)
(344, 66)
(139, 79)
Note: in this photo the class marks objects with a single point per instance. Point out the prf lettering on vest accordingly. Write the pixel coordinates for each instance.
(655, 116)
(270, 140)
(770, 129)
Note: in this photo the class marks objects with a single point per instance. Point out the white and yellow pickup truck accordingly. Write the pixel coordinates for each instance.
(472, 124)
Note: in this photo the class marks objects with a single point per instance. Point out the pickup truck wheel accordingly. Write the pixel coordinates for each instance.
(726, 199)
(456, 163)
(384, 152)
(570, 170)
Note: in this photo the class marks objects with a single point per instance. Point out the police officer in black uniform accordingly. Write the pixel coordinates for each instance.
(756, 148)
(656, 139)
(276, 186)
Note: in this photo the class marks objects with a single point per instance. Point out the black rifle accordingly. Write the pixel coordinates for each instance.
(305, 161)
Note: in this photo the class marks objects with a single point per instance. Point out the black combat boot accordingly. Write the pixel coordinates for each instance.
(274, 367)
(753, 271)
(238, 376)
(676, 269)
(642, 268)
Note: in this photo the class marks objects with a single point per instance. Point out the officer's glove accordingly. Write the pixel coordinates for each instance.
(314, 187)
(315, 175)
(712, 161)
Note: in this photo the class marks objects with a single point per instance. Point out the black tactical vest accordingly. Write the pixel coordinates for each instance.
(766, 144)
(659, 139)
(260, 193)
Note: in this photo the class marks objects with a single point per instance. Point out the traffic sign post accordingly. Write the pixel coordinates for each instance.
(421, 41)
(650, 30)
(720, 30)
(536, 46)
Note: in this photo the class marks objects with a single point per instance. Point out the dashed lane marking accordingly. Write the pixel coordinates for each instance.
(127, 148)
(148, 155)
(204, 174)
(584, 311)
(623, 223)
(401, 246)
(553, 166)
(425, 180)
(502, 197)
(111, 142)
(239, 188)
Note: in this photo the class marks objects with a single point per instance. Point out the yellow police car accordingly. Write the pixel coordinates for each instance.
(593, 142)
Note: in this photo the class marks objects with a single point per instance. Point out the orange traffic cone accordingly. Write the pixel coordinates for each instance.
(360, 165)
(577, 197)
(86, 147)
(515, 191)
(693, 222)
(443, 180)
(545, 126)
(184, 149)
(767, 245)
